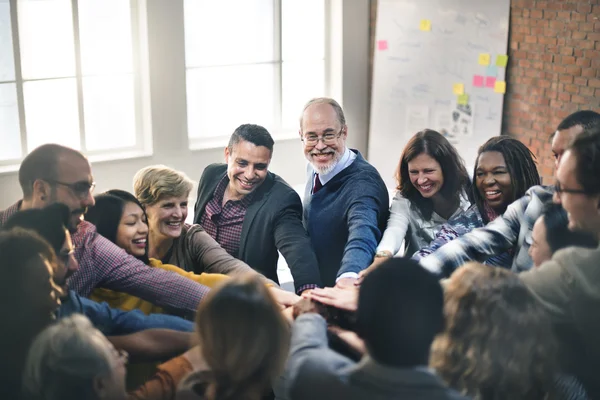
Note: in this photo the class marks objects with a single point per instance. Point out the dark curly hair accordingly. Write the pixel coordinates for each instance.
(456, 178)
(498, 342)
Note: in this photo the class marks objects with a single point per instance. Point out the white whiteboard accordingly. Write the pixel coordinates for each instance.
(414, 74)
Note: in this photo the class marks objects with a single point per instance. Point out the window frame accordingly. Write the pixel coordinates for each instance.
(140, 73)
(278, 133)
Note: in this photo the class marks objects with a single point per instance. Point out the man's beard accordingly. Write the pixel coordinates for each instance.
(329, 167)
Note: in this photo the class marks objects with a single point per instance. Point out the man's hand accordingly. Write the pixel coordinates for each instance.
(305, 306)
(283, 297)
(344, 299)
(346, 283)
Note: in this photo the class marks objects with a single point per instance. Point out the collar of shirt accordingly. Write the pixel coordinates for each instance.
(347, 158)
(220, 192)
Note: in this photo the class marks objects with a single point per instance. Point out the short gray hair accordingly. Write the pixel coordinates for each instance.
(152, 183)
(64, 360)
(326, 100)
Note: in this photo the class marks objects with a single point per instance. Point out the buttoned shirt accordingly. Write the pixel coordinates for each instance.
(104, 264)
(224, 222)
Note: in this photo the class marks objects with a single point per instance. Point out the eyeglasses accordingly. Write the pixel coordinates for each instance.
(80, 189)
(328, 138)
(559, 189)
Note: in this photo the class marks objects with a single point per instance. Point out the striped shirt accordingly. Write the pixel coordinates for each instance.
(104, 264)
(509, 232)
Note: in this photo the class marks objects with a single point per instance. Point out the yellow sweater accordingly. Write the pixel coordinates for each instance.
(127, 302)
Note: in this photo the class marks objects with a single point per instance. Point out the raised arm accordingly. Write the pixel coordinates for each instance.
(292, 240)
(114, 269)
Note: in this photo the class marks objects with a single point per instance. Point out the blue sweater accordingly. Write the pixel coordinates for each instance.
(346, 218)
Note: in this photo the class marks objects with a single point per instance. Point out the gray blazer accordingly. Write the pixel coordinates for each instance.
(316, 372)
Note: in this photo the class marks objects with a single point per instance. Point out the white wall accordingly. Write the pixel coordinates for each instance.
(349, 76)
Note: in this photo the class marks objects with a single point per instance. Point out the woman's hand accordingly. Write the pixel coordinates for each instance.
(377, 261)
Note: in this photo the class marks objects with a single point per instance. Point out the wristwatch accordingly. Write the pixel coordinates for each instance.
(383, 253)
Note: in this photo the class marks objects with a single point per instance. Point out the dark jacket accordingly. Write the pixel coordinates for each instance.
(273, 222)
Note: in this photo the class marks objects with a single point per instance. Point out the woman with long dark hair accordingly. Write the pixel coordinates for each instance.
(433, 187)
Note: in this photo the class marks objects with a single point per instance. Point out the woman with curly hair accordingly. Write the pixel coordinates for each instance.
(498, 342)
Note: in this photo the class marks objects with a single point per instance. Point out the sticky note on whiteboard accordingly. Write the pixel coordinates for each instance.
(484, 59)
(425, 25)
(500, 87)
(382, 45)
(490, 81)
(478, 80)
(502, 60)
(463, 99)
(458, 88)
(491, 70)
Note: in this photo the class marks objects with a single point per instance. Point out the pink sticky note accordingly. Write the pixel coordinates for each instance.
(382, 45)
(490, 81)
(478, 80)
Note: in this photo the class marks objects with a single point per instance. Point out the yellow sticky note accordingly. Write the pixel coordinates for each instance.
(425, 25)
(500, 87)
(501, 60)
(484, 59)
(463, 99)
(458, 88)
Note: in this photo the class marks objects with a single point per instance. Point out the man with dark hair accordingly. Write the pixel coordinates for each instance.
(53, 173)
(568, 286)
(253, 213)
(512, 230)
(400, 311)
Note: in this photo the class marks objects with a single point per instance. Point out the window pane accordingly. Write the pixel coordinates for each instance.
(303, 29)
(7, 62)
(300, 83)
(46, 38)
(228, 32)
(105, 34)
(109, 112)
(9, 123)
(221, 99)
(51, 113)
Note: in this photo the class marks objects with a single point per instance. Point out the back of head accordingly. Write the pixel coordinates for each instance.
(245, 338)
(22, 264)
(400, 310)
(64, 360)
(252, 133)
(49, 222)
(586, 148)
(150, 184)
(520, 162)
(42, 163)
(583, 118)
(498, 341)
(558, 234)
(434, 144)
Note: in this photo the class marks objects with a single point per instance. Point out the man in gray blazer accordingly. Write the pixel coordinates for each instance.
(400, 311)
(254, 214)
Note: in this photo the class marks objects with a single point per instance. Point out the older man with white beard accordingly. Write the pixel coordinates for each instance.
(346, 202)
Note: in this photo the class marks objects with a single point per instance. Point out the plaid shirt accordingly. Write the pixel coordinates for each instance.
(104, 264)
(509, 232)
(224, 223)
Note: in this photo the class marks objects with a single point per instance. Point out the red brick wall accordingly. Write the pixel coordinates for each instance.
(553, 69)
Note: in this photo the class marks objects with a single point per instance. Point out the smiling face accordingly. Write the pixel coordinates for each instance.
(426, 175)
(167, 216)
(582, 209)
(493, 180)
(247, 166)
(132, 232)
(321, 119)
